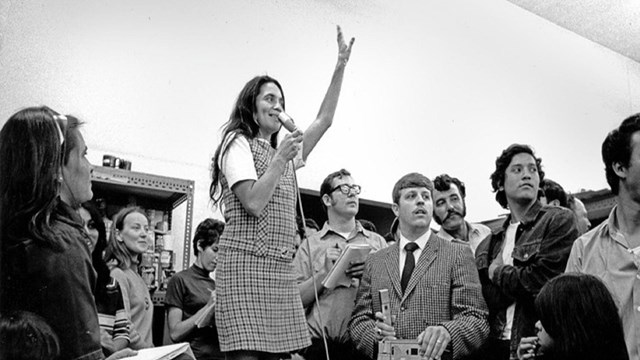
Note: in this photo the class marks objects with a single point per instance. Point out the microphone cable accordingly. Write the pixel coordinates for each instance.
(313, 277)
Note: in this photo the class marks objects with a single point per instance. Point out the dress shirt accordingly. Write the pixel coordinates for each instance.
(421, 242)
(604, 252)
(476, 233)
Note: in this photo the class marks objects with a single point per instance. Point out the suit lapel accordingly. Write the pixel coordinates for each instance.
(391, 260)
(427, 257)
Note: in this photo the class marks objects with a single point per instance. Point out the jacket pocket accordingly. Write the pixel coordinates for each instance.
(482, 259)
(525, 252)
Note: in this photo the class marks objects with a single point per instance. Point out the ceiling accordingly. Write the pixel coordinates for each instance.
(614, 24)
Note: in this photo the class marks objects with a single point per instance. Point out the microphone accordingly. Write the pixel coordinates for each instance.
(287, 121)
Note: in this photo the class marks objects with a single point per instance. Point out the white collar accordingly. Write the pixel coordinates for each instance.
(421, 241)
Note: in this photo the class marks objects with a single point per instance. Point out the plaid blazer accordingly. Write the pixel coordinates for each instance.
(444, 289)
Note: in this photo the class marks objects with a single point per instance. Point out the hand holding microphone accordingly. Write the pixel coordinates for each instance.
(287, 121)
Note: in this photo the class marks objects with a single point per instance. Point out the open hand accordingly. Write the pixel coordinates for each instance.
(344, 50)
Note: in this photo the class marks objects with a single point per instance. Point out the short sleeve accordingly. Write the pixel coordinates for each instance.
(237, 163)
(175, 291)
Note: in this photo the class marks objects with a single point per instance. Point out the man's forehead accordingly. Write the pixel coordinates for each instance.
(343, 179)
(419, 189)
(522, 159)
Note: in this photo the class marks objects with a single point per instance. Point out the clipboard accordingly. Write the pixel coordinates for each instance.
(337, 275)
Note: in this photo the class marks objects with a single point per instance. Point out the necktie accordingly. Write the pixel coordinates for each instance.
(409, 264)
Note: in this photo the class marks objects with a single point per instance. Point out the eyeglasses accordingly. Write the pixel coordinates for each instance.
(63, 119)
(346, 189)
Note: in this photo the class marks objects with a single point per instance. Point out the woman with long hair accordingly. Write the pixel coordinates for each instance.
(112, 316)
(46, 262)
(127, 243)
(259, 313)
(191, 293)
(578, 321)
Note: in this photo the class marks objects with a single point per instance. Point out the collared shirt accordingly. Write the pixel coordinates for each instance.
(605, 253)
(421, 242)
(335, 305)
(475, 234)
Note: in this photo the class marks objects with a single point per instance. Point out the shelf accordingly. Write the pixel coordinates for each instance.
(157, 190)
(124, 187)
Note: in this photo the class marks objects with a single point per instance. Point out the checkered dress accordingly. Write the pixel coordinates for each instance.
(258, 302)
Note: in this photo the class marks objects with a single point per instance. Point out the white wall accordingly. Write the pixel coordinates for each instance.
(432, 86)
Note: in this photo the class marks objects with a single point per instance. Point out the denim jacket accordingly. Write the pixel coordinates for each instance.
(542, 246)
(57, 284)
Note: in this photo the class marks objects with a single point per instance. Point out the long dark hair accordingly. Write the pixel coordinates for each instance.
(96, 256)
(34, 145)
(240, 123)
(27, 336)
(581, 316)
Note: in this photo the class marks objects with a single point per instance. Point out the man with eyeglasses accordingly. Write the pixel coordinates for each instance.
(611, 250)
(339, 197)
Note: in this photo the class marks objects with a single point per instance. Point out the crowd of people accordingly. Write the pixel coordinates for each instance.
(541, 286)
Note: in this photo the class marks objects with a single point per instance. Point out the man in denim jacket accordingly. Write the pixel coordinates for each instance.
(532, 247)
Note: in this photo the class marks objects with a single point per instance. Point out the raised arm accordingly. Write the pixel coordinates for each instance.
(328, 108)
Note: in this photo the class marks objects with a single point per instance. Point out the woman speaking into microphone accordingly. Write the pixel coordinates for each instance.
(259, 313)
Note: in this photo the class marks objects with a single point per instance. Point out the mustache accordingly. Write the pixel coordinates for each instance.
(451, 212)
